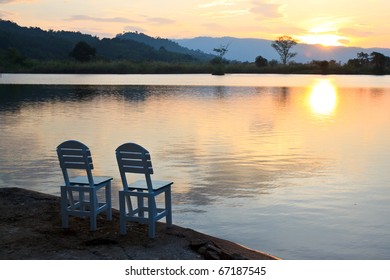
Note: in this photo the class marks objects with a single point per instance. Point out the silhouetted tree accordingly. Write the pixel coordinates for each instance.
(273, 62)
(283, 46)
(83, 52)
(363, 58)
(218, 61)
(261, 61)
(221, 51)
(324, 65)
(379, 62)
(353, 63)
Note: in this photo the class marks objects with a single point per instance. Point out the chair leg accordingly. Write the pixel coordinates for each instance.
(81, 200)
(129, 205)
(71, 199)
(108, 201)
(140, 204)
(93, 206)
(122, 210)
(64, 206)
(152, 215)
(168, 207)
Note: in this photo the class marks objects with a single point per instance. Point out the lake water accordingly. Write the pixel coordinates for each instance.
(297, 166)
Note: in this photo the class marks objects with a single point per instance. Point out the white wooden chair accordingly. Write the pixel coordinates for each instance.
(79, 194)
(133, 158)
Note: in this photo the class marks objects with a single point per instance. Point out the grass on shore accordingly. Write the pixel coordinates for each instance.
(155, 67)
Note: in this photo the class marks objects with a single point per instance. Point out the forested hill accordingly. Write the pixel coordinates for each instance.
(35, 43)
(162, 43)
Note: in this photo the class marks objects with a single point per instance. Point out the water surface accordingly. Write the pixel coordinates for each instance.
(296, 166)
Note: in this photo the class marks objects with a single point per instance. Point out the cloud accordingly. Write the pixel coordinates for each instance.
(362, 25)
(355, 32)
(344, 41)
(158, 20)
(225, 13)
(217, 3)
(99, 19)
(10, 1)
(4, 14)
(222, 9)
(215, 27)
(266, 10)
(234, 12)
(134, 29)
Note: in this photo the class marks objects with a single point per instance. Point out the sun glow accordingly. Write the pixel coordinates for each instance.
(323, 39)
(323, 97)
(324, 31)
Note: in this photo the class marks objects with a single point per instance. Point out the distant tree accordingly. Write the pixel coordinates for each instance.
(283, 46)
(324, 66)
(83, 52)
(379, 62)
(261, 61)
(219, 60)
(14, 56)
(221, 51)
(273, 62)
(334, 63)
(363, 58)
(353, 63)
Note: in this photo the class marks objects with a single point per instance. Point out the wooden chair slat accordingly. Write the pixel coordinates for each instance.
(133, 155)
(68, 151)
(76, 165)
(135, 169)
(136, 162)
(76, 158)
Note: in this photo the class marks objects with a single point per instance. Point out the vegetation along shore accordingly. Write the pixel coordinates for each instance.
(33, 50)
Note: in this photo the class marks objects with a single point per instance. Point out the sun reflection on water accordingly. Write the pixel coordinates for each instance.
(323, 97)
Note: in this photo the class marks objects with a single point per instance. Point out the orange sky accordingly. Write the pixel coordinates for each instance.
(362, 23)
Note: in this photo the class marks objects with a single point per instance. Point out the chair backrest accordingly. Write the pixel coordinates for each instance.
(132, 158)
(75, 155)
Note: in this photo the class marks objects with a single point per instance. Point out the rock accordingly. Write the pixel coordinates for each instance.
(30, 229)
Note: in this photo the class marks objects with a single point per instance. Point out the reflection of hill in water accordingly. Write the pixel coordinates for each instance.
(12, 97)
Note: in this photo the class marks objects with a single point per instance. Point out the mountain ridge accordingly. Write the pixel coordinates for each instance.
(159, 43)
(36, 43)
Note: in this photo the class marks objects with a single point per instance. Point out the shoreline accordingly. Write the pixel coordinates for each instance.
(30, 229)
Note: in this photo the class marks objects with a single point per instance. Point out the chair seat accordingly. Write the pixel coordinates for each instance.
(142, 185)
(83, 180)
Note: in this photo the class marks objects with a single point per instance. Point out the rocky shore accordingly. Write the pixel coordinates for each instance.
(30, 229)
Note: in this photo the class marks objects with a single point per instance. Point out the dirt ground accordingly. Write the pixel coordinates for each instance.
(30, 229)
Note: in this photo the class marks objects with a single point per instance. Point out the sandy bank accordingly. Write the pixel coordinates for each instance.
(30, 228)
